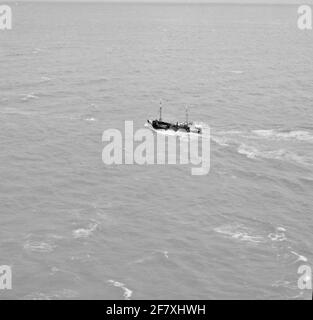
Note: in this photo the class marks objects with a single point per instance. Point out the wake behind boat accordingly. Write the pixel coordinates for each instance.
(186, 126)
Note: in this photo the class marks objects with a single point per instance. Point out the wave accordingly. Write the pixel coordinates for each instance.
(127, 292)
(299, 135)
(61, 294)
(267, 144)
(85, 232)
(268, 134)
(281, 154)
(55, 271)
(37, 50)
(222, 141)
(157, 254)
(37, 246)
(29, 96)
(277, 236)
(246, 142)
(299, 257)
(90, 119)
(236, 71)
(285, 284)
(45, 79)
(249, 151)
(241, 232)
(13, 111)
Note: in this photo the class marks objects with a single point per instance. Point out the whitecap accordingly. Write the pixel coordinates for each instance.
(239, 232)
(82, 258)
(127, 292)
(300, 257)
(90, 119)
(299, 135)
(281, 154)
(264, 133)
(280, 236)
(222, 141)
(45, 79)
(30, 96)
(84, 233)
(248, 151)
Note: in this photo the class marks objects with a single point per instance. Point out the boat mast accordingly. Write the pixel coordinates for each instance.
(187, 114)
(160, 111)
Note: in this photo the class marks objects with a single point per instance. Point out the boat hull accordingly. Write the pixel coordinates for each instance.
(184, 127)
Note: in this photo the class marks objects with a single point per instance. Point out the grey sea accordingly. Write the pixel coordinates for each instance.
(74, 228)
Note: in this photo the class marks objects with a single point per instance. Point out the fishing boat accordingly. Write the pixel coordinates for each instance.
(186, 126)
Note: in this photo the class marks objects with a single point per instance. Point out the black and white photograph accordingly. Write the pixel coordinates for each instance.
(156, 150)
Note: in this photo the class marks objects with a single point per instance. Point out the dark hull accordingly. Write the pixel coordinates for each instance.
(161, 125)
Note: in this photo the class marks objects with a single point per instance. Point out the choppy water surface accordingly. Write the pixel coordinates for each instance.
(73, 228)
